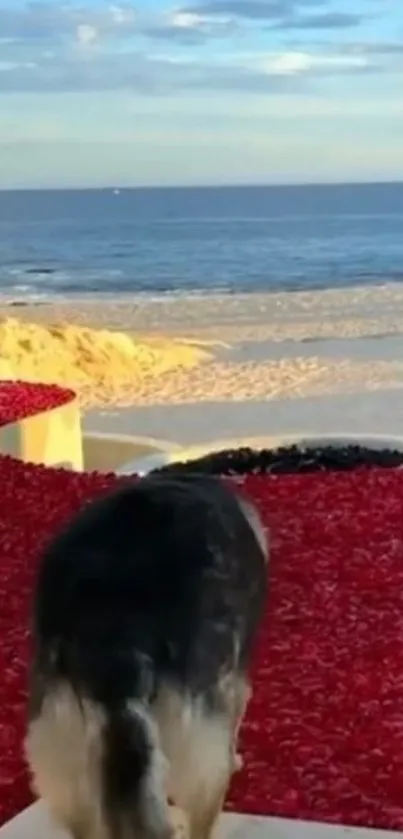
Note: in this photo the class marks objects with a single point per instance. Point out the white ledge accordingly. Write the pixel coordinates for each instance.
(34, 823)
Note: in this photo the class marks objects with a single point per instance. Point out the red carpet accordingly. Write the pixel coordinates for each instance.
(19, 400)
(324, 734)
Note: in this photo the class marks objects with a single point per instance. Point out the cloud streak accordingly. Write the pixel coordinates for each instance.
(325, 20)
(256, 10)
(49, 20)
(279, 14)
(190, 28)
(50, 46)
(54, 21)
(141, 74)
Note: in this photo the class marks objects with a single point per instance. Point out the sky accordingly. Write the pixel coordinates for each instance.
(94, 93)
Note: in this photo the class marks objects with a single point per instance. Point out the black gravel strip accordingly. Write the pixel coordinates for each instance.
(289, 460)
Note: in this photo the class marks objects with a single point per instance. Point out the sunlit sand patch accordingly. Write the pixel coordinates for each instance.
(96, 363)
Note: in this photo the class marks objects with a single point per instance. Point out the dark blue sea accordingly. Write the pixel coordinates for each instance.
(202, 240)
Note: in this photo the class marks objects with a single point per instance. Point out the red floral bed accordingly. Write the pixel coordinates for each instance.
(323, 738)
(19, 400)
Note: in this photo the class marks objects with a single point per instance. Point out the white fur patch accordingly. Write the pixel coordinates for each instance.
(198, 746)
(251, 514)
(64, 750)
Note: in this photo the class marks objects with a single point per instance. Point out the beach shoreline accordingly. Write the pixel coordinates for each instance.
(260, 347)
(290, 315)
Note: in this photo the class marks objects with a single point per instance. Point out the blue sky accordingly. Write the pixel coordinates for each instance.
(200, 92)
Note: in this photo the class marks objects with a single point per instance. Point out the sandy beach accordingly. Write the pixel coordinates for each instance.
(217, 349)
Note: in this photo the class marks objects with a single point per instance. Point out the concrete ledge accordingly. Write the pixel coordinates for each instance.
(52, 437)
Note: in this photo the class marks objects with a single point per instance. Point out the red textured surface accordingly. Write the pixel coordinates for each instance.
(323, 738)
(19, 400)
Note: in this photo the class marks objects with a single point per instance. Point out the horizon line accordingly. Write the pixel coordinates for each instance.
(209, 186)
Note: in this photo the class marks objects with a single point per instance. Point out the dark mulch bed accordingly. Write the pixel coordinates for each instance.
(291, 459)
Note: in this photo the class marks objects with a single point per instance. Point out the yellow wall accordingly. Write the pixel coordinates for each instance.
(52, 438)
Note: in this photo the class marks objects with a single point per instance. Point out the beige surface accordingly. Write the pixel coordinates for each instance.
(34, 823)
(51, 437)
(108, 452)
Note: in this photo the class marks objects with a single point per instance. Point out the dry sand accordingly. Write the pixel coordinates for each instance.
(99, 364)
(187, 350)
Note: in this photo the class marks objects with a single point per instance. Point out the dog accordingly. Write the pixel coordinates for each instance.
(145, 613)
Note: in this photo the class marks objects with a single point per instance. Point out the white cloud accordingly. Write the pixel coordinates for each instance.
(122, 15)
(189, 27)
(296, 63)
(187, 20)
(195, 20)
(86, 34)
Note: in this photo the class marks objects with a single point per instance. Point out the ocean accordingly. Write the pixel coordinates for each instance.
(61, 244)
